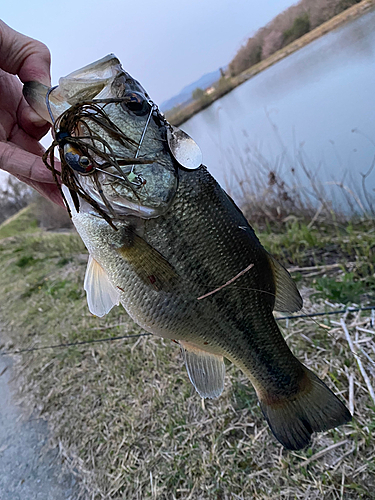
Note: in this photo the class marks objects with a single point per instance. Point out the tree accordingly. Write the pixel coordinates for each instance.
(198, 94)
(272, 42)
(300, 26)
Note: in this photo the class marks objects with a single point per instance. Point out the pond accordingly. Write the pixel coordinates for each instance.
(308, 119)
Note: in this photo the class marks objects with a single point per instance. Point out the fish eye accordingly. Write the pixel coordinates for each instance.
(136, 103)
(84, 161)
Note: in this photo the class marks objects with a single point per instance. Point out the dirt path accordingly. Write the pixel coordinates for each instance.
(26, 472)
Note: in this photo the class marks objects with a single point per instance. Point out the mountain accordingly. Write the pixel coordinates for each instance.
(186, 93)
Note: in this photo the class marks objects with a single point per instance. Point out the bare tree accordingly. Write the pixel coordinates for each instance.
(284, 28)
(272, 42)
(13, 196)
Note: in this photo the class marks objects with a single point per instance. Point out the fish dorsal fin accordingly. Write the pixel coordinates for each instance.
(101, 294)
(288, 298)
(206, 371)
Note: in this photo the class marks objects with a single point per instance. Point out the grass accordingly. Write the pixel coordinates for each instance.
(124, 414)
(25, 220)
(346, 256)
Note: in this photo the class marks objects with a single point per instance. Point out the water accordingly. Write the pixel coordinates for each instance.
(316, 106)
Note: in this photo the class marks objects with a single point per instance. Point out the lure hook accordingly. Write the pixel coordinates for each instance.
(51, 89)
(137, 179)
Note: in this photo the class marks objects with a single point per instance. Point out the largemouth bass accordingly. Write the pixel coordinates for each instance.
(170, 245)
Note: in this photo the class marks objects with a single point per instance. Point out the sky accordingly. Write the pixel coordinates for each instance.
(165, 44)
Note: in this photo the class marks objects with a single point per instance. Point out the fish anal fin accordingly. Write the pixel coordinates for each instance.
(101, 294)
(313, 409)
(206, 371)
(288, 298)
(150, 265)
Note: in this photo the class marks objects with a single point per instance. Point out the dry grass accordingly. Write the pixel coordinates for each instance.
(125, 416)
(290, 187)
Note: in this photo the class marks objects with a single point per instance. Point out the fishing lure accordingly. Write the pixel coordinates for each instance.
(84, 152)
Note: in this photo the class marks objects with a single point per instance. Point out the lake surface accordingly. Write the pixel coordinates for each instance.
(314, 108)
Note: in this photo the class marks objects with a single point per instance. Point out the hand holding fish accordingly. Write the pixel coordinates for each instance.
(20, 127)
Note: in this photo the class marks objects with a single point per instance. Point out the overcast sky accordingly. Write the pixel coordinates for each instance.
(165, 44)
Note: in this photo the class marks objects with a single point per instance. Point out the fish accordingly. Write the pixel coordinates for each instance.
(170, 245)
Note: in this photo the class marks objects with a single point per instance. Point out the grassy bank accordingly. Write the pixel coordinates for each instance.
(181, 115)
(124, 414)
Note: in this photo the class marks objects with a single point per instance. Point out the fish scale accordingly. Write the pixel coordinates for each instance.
(174, 238)
(254, 341)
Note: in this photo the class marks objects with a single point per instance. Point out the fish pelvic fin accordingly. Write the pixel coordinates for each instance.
(101, 294)
(315, 408)
(287, 296)
(206, 371)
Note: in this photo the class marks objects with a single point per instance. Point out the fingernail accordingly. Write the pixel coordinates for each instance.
(36, 120)
(46, 80)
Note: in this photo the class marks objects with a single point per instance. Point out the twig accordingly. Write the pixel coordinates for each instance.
(257, 436)
(327, 267)
(342, 483)
(323, 452)
(109, 327)
(364, 330)
(317, 213)
(228, 282)
(363, 341)
(361, 469)
(348, 190)
(367, 356)
(359, 362)
(327, 313)
(351, 393)
(365, 192)
(338, 460)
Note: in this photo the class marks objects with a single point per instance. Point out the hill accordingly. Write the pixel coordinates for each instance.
(185, 96)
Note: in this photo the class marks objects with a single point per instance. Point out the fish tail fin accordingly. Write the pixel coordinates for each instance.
(314, 408)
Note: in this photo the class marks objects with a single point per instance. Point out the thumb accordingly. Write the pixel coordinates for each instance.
(24, 56)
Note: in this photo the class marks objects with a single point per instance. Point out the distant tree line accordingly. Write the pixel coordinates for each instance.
(284, 29)
(14, 195)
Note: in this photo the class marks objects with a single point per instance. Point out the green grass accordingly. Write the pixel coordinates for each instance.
(349, 247)
(348, 290)
(23, 221)
(125, 412)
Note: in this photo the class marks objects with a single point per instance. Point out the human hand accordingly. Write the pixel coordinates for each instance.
(20, 127)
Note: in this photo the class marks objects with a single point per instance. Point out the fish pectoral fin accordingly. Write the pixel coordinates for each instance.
(101, 294)
(206, 371)
(288, 298)
(150, 265)
(73, 203)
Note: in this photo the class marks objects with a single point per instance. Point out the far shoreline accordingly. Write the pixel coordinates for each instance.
(231, 83)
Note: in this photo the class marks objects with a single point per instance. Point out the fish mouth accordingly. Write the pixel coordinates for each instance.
(102, 116)
(78, 86)
(92, 111)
